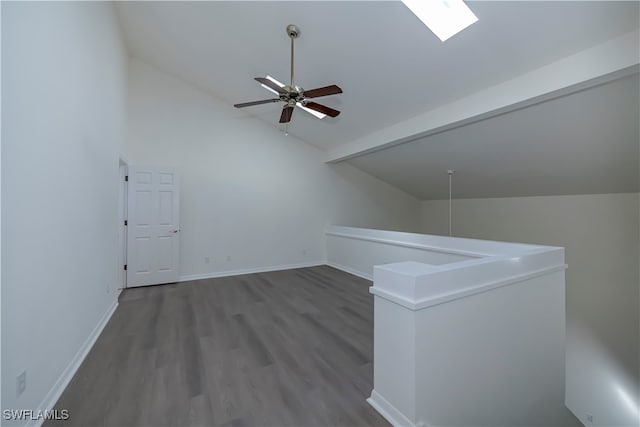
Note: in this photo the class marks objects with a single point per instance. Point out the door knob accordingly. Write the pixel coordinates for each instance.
(175, 231)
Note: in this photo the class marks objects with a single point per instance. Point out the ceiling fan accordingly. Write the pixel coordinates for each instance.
(295, 96)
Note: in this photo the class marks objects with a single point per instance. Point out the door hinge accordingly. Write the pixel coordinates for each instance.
(126, 177)
(125, 266)
(125, 222)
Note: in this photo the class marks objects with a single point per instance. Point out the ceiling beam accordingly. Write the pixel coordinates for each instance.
(597, 65)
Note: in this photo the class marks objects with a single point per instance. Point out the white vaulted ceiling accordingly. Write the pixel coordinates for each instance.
(390, 66)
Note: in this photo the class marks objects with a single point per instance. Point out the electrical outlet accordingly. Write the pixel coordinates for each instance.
(590, 418)
(21, 383)
(207, 260)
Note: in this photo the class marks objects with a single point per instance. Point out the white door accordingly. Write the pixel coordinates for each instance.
(153, 240)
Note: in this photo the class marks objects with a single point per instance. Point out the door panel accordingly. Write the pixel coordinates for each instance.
(165, 253)
(144, 212)
(165, 211)
(154, 224)
(143, 255)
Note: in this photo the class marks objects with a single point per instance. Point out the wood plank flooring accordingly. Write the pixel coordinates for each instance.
(285, 348)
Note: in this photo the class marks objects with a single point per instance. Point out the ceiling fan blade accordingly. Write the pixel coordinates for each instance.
(322, 109)
(322, 91)
(249, 104)
(270, 84)
(287, 111)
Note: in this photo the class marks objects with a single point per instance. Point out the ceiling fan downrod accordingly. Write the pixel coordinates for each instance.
(293, 32)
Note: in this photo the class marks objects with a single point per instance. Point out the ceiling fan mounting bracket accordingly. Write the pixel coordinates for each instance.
(293, 31)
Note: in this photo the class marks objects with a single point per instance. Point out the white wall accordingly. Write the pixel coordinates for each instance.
(483, 359)
(63, 119)
(600, 234)
(248, 192)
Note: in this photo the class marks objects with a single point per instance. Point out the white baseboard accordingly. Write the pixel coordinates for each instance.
(58, 388)
(388, 411)
(227, 273)
(350, 271)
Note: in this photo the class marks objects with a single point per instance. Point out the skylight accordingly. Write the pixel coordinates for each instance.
(444, 17)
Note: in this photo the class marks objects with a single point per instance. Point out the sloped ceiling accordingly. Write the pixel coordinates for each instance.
(584, 143)
(391, 68)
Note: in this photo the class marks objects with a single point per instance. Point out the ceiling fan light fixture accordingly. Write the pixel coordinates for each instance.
(318, 114)
(444, 17)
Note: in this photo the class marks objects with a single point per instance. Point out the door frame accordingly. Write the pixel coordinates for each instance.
(122, 221)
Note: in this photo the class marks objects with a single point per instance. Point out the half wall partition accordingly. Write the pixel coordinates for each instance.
(466, 332)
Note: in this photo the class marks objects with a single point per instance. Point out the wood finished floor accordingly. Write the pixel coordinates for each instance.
(285, 348)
